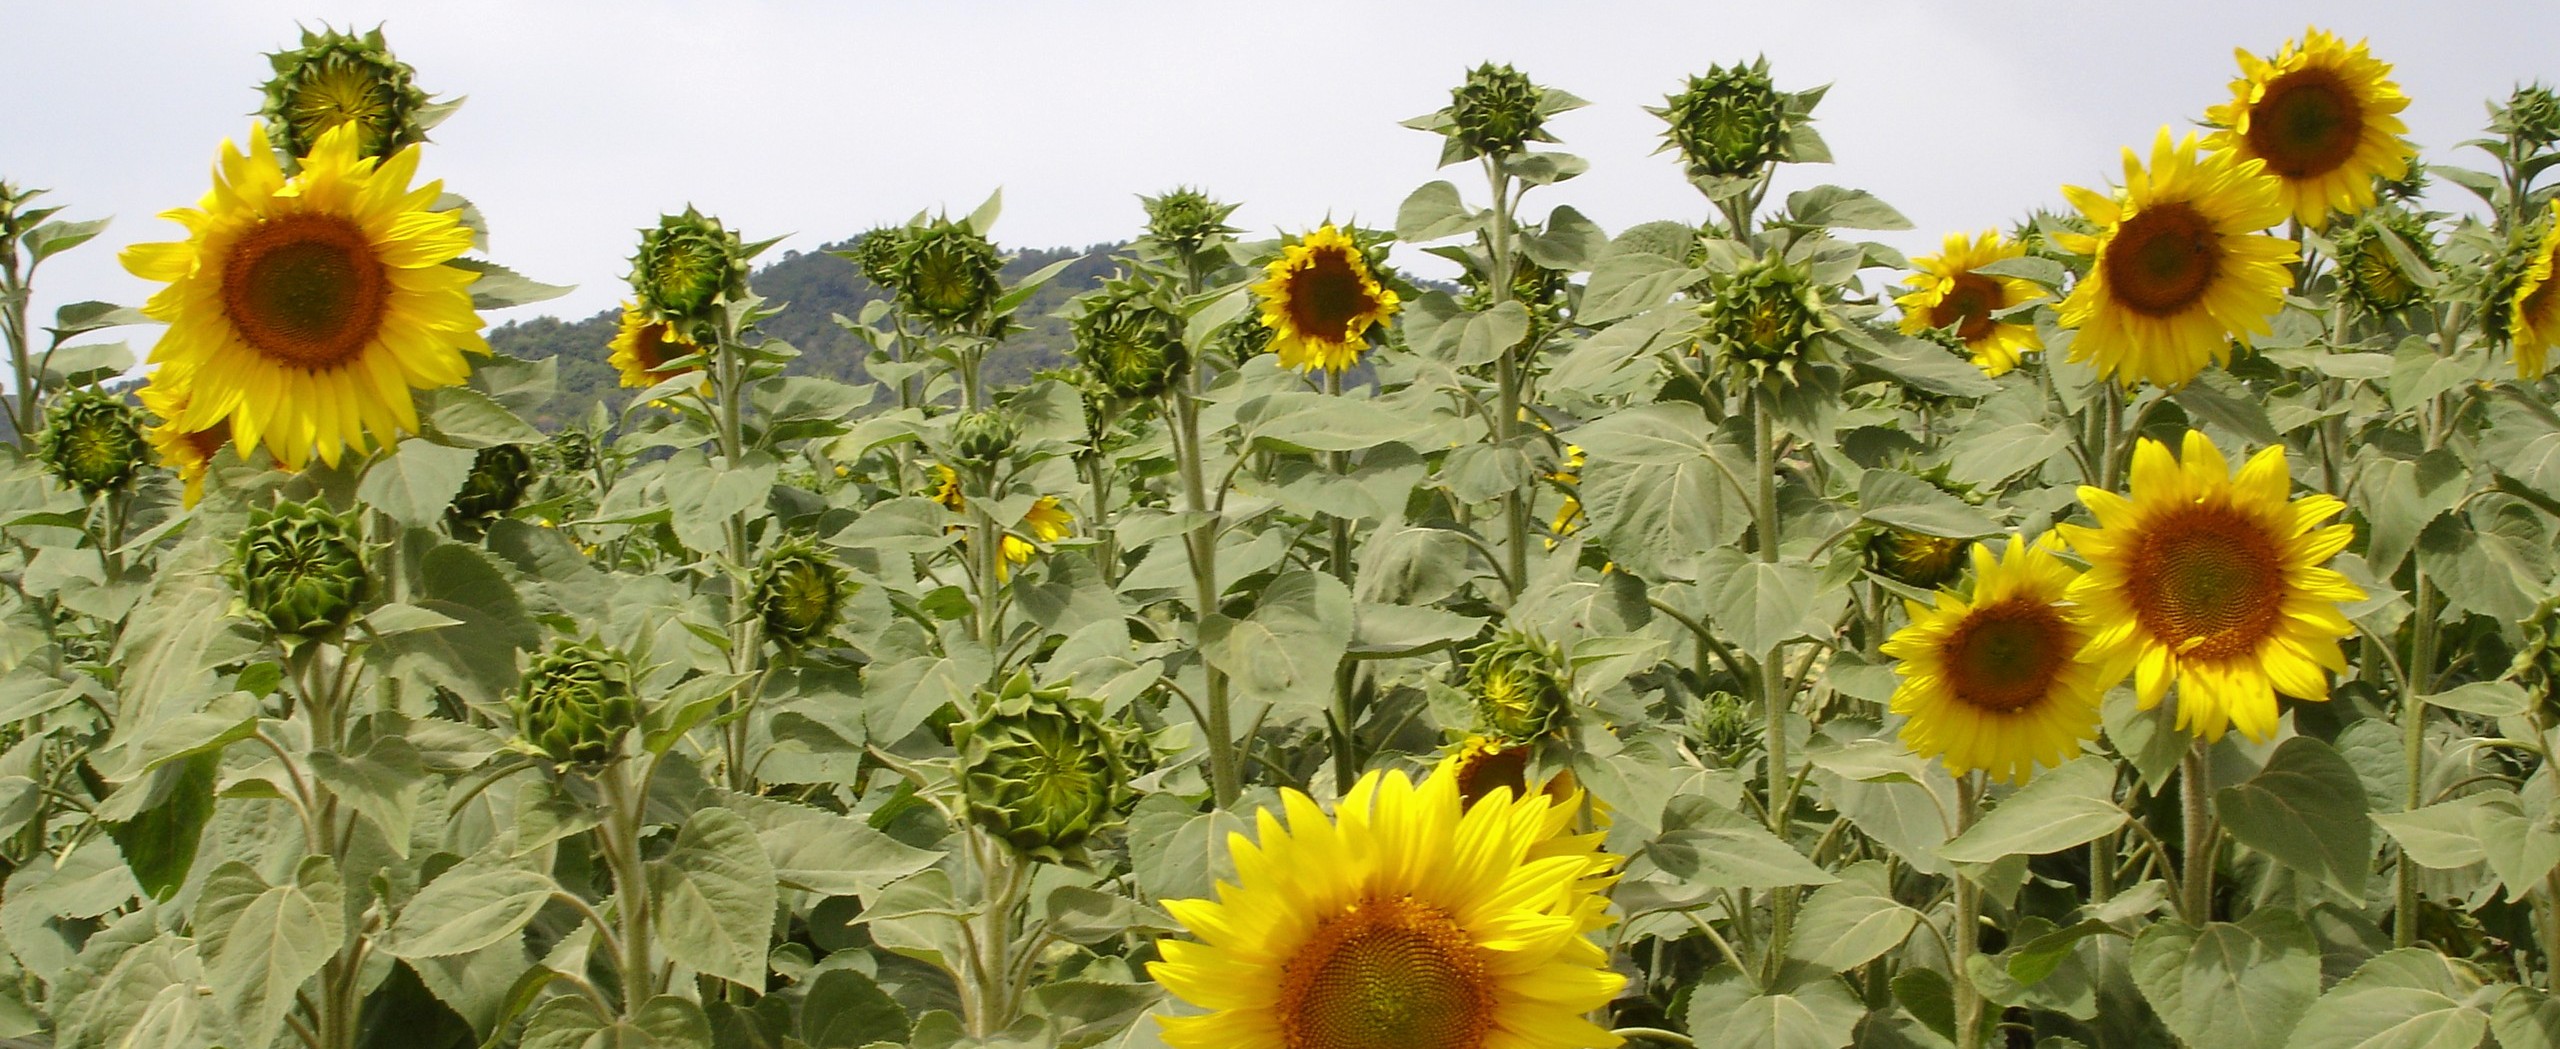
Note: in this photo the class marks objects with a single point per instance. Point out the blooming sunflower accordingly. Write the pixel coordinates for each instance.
(1947, 292)
(2180, 266)
(189, 452)
(2321, 116)
(1319, 299)
(2213, 583)
(1993, 680)
(1411, 920)
(642, 347)
(2533, 318)
(304, 311)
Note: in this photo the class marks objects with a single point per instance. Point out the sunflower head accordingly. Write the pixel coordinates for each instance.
(300, 569)
(981, 438)
(1949, 293)
(687, 268)
(1484, 764)
(1495, 113)
(1924, 562)
(800, 591)
(2181, 265)
(2531, 117)
(2323, 118)
(1768, 321)
(1733, 123)
(1992, 678)
(951, 275)
(339, 79)
(576, 703)
(1518, 683)
(572, 450)
(1184, 222)
(1319, 300)
(92, 440)
(2215, 583)
(1409, 918)
(2383, 260)
(1043, 769)
(644, 348)
(499, 476)
(2530, 314)
(880, 255)
(1129, 343)
(1728, 727)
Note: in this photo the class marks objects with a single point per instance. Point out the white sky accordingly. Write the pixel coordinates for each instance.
(587, 119)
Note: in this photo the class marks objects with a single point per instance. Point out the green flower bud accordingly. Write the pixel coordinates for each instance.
(93, 441)
(1042, 769)
(1728, 727)
(1518, 683)
(2531, 116)
(571, 450)
(800, 591)
(983, 437)
(2371, 272)
(336, 78)
(300, 569)
(879, 255)
(1184, 221)
(1731, 123)
(1129, 343)
(950, 276)
(688, 267)
(500, 474)
(1767, 319)
(1915, 560)
(1495, 111)
(576, 703)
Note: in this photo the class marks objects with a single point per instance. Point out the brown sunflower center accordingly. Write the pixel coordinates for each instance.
(2307, 125)
(2208, 581)
(2161, 261)
(1327, 294)
(305, 290)
(2003, 657)
(205, 442)
(653, 349)
(1968, 305)
(1491, 768)
(1387, 974)
(2538, 304)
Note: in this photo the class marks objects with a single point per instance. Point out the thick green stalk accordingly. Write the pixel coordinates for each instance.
(2413, 751)
(2195, 788)
(746, 630)
(621, 832)
(1507, 367)
(1968, 930)
(1225, 781)
(1346, 720)
(1774, 698)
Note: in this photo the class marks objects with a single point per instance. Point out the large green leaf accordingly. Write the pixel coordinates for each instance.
(475, 904)
(2306, 808)
(2526, 1018)
(1850, 922)
(1762, 604)
(1723, 849)
(663, 1022)
(2520, 833)
(415, 483)
(713, 897)
(261, 942)
(1285, 650)
(1907, 502)
(2230, 985)
(2411, 998)
(1726, 1011)
(2068, 806)
(845, 1010)
(813, 850)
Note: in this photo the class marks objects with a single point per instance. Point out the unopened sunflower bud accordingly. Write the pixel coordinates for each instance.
(1184, 221)
(499, 476)
(93, 441)
(1768, 320)
(576, 703)
(1042, 769)
(300, 569)
(687, 267)
(1129, 344)
(337, 78)
(1916, 560)
(1730, 123)
(983, 437)
(1518, 684)
(950, 275)
(799, 591)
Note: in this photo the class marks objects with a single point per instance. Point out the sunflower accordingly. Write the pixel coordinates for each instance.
(304, 311)
(189, 452)
(1047, 520)
(1410, 920)
(2533, 317)
(642, 347)
(2321, 117)
(2213, 583)
(2180, 265)
(1993, 680)
(1948, 293)
(1319, 299)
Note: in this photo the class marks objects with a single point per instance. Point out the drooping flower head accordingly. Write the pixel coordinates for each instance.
(1042, 769)
(1129, 342)
(499, 476)
(1409, 919)
(2533, 312)
(1319, 300)
(340, 79)
(1948, 293)
(800, 591)
(2215, 584)
(2182, 267)
(687, 269)
(2323, 117)
(1992, 678)
(304, 311)
(92, 440)
(643, 349)
(1046, 522)
(2380, 259)
(950, 275)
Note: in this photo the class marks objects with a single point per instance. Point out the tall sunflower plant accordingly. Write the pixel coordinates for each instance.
(2129, 622)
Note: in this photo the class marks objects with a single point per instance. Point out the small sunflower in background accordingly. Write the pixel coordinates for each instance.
(1319, 299)
(2533, 316)
(304, 311)
(1948, 293)
(1407, 920)
(2182, 265)
(2323, 118)
(2215, 584)
(1047, 521)
(1991, 678)
(189, 452)
(642, 347)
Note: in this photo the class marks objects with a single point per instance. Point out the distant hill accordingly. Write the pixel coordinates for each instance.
(815, 286)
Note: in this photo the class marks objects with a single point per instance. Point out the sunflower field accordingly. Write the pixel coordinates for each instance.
(2134, 627)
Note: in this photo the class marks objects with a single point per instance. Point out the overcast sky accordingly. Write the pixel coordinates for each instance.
(587, 119)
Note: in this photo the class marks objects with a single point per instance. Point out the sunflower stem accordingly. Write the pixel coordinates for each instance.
(1346, 742)
(1507, 367)
(1225, 780)
(2413, 750)
(2202, 836)
(1772, 664)
(746, 630)
(621, 832)
(24, 414)
(1968, 930)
